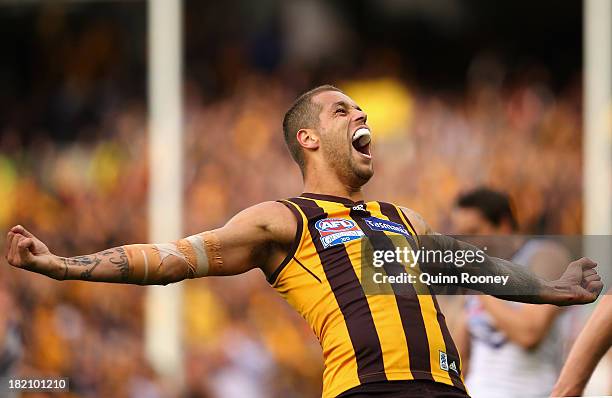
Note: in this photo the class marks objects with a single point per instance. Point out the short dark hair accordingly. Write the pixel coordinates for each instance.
(495, 206)
(304, 113)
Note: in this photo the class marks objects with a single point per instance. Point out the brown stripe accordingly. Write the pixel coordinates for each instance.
(407, 302)
(402, 218)
(399, 218)
(351, 299)
(296, 241)
(391, 212)
(451, 348)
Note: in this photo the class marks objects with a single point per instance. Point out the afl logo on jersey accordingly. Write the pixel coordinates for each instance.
(335, 231)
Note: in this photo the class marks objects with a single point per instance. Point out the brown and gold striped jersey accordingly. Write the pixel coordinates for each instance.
(364, 337)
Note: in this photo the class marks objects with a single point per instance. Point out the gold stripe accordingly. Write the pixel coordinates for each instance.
(338, 352)
(408, 224)
(430, 319)
(383, 307)
(434, 336)
(389, 325)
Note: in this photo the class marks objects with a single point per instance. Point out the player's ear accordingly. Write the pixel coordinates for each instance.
(308, 138)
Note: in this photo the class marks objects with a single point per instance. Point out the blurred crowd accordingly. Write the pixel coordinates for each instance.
(85, 190)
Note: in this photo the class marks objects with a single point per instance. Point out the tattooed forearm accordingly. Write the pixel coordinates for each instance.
(139, 264)
(521, 284)
(121, 262)
(82, 261)
(110, 265)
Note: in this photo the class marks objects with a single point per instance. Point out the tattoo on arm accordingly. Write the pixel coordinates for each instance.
(112, 265)
(121, 262)
(522, 284)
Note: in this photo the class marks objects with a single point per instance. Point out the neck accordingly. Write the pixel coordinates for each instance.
(330, 184)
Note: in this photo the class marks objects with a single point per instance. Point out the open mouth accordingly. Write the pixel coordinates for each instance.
(361, 141)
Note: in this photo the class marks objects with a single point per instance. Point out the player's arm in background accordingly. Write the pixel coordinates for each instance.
(527, 325)
(592, 343)
(255, 237)
(579, 284)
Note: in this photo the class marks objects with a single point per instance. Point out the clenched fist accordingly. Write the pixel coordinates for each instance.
(24, 250)
(580, 284)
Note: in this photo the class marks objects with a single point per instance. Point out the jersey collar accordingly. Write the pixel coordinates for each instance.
(330, 198)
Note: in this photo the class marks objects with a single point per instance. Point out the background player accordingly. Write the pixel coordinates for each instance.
(327, 135)
(512, 349)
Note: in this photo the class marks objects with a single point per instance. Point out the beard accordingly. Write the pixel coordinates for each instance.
(342, 162)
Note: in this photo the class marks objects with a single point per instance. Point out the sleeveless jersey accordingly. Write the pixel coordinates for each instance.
(364, 337)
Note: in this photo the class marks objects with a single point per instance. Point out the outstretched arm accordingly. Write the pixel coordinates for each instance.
(580, 284)
(256, 237)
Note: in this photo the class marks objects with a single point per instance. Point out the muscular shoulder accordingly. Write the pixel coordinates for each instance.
(255, 237)
(273, 221)
(419, 223)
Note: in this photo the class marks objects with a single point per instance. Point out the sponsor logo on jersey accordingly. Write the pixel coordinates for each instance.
(448, 363)
(335, 231)
(359, 207)
(378, 224)
(443, 361)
